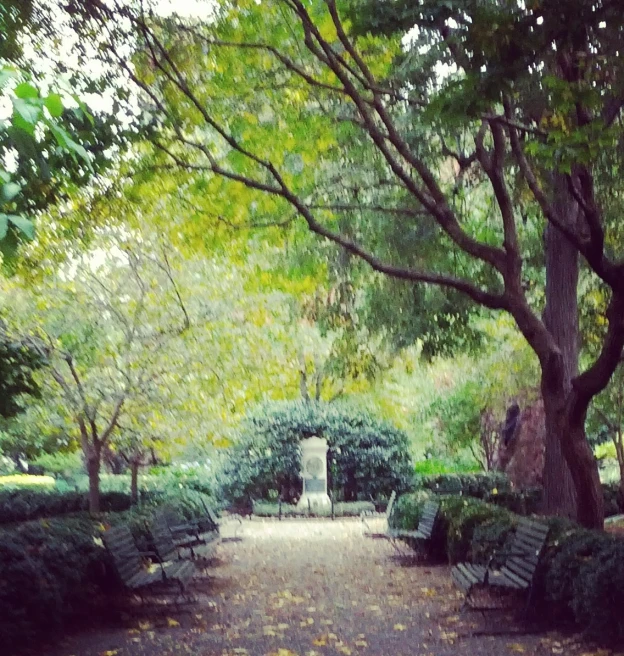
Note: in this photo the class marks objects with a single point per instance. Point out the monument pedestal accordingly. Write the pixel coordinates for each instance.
(314, 474)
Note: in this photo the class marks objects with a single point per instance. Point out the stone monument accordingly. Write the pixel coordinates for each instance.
(314, 473)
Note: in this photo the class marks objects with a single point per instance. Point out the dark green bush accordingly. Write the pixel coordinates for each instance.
(51, 571)
(368, 457)
(580, 577)
(477, 485)
(21, 505)
(614, 504)
(343, 509)
(56, 570)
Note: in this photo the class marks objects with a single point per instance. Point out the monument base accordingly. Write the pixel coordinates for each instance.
(316, 500)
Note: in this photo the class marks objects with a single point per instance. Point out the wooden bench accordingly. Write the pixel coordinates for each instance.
(424, 530)
(211, 519)
(128, 561)
(369, 514)
(189, 529)
(516, 573)
(169, 546)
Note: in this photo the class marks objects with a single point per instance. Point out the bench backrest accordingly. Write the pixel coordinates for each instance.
(390, 506)
(525, 549)
(428, 517)
(121, 546)
(211, 516)
(162, 538)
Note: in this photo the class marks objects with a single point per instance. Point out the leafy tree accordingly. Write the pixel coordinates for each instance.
(283, 106)
(18, 362)
(369, 457)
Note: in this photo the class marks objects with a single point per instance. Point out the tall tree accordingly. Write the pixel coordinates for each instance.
(284, 100)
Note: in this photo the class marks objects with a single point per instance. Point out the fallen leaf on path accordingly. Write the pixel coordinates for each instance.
(171, 623)
(400, 627)
(516, 646)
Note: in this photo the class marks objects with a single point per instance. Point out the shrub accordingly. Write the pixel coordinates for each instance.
(344, 509)
(56, 570)
(614, 504)
(580, 576)
(20, 505)
(369, 457)
(477, 485)
(50, 571)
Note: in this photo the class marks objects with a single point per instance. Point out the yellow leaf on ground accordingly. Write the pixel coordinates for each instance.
(343, 649)
(320, 641)
(171, 623)
(361, 643)
(110, 652)
(400, 627)
(516, 646)
(145, 626)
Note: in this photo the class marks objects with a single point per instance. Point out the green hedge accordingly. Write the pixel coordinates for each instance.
(495, 488)
(55, 571)
(21, 505)
(341, 509)
(580, 578)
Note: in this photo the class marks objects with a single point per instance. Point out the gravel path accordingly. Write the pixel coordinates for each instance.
(316, 588)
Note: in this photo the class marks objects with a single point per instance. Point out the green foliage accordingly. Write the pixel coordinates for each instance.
(50, 573)
(341, 509)
(477, 485)
(580, 577)
(56, 572)
(20, 505)
(367, 457)
(18, 362)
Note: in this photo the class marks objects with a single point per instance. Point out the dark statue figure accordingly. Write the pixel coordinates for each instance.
(511, 423)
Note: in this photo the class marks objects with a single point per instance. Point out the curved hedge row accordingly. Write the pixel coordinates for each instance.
(580, 577)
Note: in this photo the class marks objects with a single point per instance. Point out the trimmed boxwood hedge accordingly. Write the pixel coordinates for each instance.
(56, 570)
(22, 505)
(341, 509)
(581, 573)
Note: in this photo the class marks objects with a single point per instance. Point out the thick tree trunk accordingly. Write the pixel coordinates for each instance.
(134, 482)
(584, 470)
(561, 319)
(571, 481)
(93, 470)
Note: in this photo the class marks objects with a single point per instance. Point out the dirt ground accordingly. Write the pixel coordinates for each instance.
(316, 588)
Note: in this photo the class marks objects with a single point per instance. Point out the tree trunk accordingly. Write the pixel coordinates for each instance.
(93, 470)
(571, 481)
(561, 319)
(134, 482)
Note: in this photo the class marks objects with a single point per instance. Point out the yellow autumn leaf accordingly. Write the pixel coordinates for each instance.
(172, 623)
(145, 626)
(516, 646)
(361, 643)
(320, 642)
(400, 627)
(110, 652)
